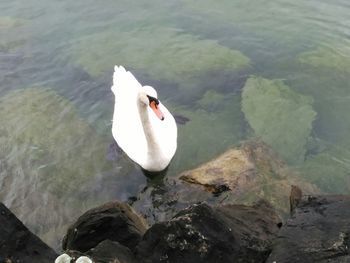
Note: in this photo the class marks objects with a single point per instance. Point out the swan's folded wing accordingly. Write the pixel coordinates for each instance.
(127, 128)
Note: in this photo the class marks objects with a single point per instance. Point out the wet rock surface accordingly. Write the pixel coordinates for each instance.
(18, 244)
(249, 173)
(241, 175)
(200, 233)
(113, 221)
(106, 252)
(318, 231)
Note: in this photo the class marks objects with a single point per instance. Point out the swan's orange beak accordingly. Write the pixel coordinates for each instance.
(156, 110)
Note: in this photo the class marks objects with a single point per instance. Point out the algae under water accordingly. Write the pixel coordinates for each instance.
(277, 70)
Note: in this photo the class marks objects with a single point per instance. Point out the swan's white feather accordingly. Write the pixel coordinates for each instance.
(127, 128)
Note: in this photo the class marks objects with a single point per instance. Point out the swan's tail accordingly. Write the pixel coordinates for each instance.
(123, 79)
(119, 71)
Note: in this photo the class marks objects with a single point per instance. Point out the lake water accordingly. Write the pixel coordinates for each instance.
(278, 70)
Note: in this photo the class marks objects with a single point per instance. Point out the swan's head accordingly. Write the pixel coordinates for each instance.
(148, 96)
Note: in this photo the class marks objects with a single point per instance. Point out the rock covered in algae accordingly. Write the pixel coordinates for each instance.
(337, 58)
(163, 53)
(247, 174)
(42, 133)
(47, 153)
(7, 22)
(328, 169)
(206, 134)
(10, 37)
(280, 116)
(328, 84)
(211, 100)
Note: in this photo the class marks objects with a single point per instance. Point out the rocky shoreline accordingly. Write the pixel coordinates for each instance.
(317, 231)
(243, 206)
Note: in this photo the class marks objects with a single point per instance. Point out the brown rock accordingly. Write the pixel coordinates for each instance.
(247, 174)
(113, 221)
(295, 197)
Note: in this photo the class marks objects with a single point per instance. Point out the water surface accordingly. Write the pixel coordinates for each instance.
(56, 63)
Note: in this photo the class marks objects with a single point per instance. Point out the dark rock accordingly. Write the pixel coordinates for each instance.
(318, 231)
(106, 252)
(230, 233)
(114, 221)
(18, 244)
(109, 251)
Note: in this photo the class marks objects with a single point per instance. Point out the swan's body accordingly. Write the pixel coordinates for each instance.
(142, 126)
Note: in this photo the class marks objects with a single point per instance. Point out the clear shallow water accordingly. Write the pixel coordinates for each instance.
(56, 62)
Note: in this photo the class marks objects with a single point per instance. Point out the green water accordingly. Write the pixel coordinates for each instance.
(278, 70)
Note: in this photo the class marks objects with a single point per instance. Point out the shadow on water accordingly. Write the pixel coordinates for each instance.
(155, 178)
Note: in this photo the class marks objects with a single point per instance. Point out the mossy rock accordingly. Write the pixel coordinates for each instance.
(329, 169)
(10, 39)
(45, 141)
(279, 115)
(211, 100)
(7, 22)
(335, 58)
(163, 53)
(208, 133)
(328, 84)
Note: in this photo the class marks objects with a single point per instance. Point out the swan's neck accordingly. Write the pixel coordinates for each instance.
(152, 144)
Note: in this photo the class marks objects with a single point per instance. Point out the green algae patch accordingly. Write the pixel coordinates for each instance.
(7, 22)
(163, 53)
(211, 100)
(280, 116)
(329, 170)
(44, 141)
(208, 133)
(332, 58)
(10, 37)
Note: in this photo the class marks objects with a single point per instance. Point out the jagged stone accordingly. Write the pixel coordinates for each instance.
(200, 233)
(18, 244)
(114, 221)
(318, 231)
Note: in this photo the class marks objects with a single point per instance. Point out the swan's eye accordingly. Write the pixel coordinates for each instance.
(153, 103)
(153, 99)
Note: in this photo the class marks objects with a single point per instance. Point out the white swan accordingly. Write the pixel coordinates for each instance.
(142, 126)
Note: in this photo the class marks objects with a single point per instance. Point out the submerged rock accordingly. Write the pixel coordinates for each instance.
(207, 128)
(127, 48)
(247, 174)
(7, 22)
(326, 57)
(280, 116)
(112, 221)
(18, 244)
(318, 231)
(200, 233)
